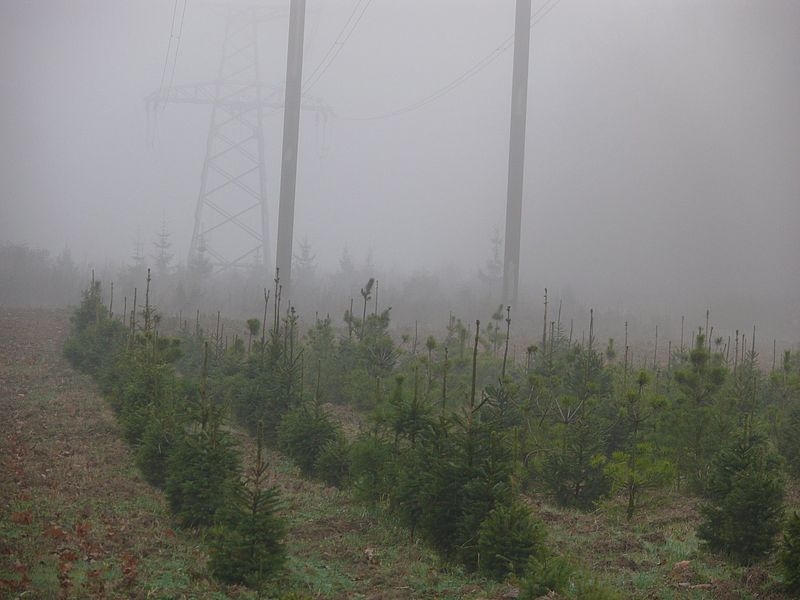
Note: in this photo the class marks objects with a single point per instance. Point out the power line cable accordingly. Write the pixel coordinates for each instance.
(341, 46)
(169, 56)
(169, 47)
(504, 46)
(178, 44)
(332, 47)
(152, 120)
(338, 44)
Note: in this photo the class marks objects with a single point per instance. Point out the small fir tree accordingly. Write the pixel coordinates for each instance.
(160, 437)
(247, 541)
(574, 468)
(697, 420)
(163, 255)
(743, 513)
(95, 337)
(199, 470)
(333, 462)
(637, 467)
(203, 463)
(789, 555)
(507, 539)
(304, 263)
(303, 433)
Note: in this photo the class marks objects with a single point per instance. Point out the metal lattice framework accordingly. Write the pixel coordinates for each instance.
(231, 221)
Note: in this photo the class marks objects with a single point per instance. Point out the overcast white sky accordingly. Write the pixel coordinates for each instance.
(663, 137)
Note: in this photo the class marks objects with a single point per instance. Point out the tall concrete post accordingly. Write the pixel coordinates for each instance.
(516, 153)
(291, 129)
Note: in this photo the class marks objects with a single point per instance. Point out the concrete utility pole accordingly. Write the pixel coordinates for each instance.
(516, 153)
(291, 129)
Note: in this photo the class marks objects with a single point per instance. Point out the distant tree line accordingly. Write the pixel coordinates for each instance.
(30, 277)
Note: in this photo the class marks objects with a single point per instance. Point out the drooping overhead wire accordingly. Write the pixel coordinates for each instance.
(330, 55)
(171, 56)
(484, 62)
(169, 47)
(178, 44)
(170, 61)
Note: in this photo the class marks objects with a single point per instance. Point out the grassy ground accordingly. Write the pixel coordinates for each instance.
(656, 555)
(78, 521)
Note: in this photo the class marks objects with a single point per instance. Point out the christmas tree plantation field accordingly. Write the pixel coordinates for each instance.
(77, 520)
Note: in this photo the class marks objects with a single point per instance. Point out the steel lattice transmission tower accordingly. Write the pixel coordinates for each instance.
(231, 220)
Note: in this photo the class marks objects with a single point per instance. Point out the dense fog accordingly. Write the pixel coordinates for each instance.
(662, 169)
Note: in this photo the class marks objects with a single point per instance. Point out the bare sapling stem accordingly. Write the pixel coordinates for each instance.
(474, 365)
(350, 321)
(774, 352)
(655, 350)
(508, 337)
(444, 381)
(264, 325)
(544, 323)
(682, 322)
(277, 301)
(558, 319)
(147, 320)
